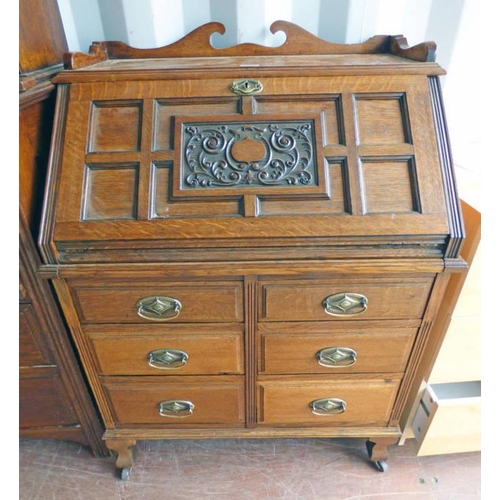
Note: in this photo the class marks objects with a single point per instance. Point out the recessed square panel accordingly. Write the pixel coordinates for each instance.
(336, 202)
(110, 192)
(389, 185)
(166, 110)
(329, 108)
(164, 207)
(115, 126)
(382, 119)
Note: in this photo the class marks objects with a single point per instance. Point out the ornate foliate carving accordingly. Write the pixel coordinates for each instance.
(266, 154)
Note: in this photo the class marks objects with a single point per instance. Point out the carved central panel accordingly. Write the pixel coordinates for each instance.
(280, 153)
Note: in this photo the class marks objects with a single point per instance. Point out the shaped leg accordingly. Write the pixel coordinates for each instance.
(377, 451)
(124, 449)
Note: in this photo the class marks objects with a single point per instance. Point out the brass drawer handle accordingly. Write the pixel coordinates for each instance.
(336, 357)
(158, 308)
(345, 304)
(175, 408)
(327, 406)
(167, 359)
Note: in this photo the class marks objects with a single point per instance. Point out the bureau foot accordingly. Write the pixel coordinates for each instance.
(124, 449)
(377, 451)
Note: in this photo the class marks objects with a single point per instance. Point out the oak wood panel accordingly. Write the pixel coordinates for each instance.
(32, 351)
(255, 433)
(279, 140)
(302, 300)
(34, 139)
(73, 433)
(418, 196)
(41, 35)
(389, 185)
(298, 40)
(166, 110)
(251, 284)
(455, 219)
(286, 401)
(427, 249)
(164, 207)
(410, 385)
(54, 400)
(176, 271)
(43, 400)
(220, 302)
(234, 227)
(124, 349)
(256, 67)
(217, 400)
(328, 106)
(163, 86)
(115, 126)
(292, 347)
(382, 119)
(111, 192)
(453, 284)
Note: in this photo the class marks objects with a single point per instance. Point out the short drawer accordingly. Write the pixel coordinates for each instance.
(183, 401)
(167, 350)
(303, 300)
(326, 401)
(342, 347)
(159, 302)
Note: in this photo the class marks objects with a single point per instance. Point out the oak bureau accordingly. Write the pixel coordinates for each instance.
(251, 241)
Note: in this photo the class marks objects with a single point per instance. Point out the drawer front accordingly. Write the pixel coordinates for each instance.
(327, 402)
(159, 302)
(167, 350)
(43, 400)
(344, 347)
(183, 401)
(344, 299)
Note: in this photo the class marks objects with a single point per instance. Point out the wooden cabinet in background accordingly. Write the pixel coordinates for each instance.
(251, 242)
(448, 412)
(54, 399)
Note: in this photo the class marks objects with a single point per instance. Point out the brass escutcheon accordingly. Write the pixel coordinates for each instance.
(246, 87)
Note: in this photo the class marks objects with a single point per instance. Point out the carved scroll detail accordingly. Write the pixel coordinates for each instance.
(75, 60)
(220, 155)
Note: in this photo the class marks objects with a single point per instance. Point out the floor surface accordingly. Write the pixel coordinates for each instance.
(274, 469)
